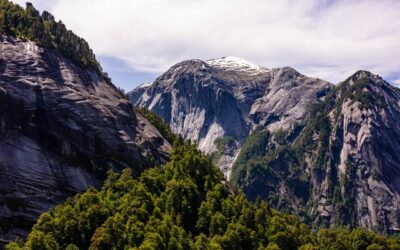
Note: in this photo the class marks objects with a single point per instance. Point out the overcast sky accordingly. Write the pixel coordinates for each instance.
(137, 40)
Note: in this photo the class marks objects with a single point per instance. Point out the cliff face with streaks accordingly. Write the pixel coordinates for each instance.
(61, 129)
(207, 101)
(363, 152)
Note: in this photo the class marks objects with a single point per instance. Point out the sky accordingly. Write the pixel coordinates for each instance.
(138, 40)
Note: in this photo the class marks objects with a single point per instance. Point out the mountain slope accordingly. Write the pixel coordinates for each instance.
(228, 98)
(342, 169)
(62, 126)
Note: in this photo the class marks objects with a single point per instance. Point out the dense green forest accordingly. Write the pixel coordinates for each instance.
(42, 29)
(184, 204)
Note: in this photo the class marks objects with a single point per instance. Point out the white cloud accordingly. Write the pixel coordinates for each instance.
(396, 82)
(327, 39)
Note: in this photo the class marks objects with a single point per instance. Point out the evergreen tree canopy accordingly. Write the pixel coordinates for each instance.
(44, 30)
(184, 204)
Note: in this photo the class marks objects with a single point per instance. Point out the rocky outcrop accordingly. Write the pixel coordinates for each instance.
(342, 168)
(327, 153)
(366, 133)
(61, 129)
(208, 100)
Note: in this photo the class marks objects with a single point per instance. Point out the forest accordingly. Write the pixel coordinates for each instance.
(184, 204)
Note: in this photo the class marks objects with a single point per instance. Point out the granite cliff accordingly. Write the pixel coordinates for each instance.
(61, 128)
(325, 152)
(227, 98)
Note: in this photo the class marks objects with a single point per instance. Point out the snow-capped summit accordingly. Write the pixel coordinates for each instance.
(145, 85)
(235, 63)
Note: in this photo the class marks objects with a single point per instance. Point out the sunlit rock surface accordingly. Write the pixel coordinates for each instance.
(61, 128)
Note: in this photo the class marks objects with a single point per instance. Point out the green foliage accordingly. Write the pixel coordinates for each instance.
(251, 155)
(42, 29)
(158, 123)
(317, 126)
(222, 144)
(344, 201)
(181, 205)
(265, 162)
(280, 136)
(360, 91)
(38, 240)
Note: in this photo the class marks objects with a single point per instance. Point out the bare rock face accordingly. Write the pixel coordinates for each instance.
(343, 167)
(61, 129)
(366, 132)
(287, 100)
(227, 98)
(327, 153)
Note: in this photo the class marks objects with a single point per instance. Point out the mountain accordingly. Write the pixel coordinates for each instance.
(220, 101)
(63, 124)
(324, 152)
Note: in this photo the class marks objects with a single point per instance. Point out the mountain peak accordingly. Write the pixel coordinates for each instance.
(363, 75)
(144, 85)
(235, 63)
(232, 61)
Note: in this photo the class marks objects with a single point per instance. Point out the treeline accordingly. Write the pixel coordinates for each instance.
(184, 204)
(159, 123)
(44, 30)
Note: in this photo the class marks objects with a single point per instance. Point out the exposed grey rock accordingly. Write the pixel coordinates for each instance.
(369, 146)
(204, 101)
(352, 180)
(61, 128)
(287, 100)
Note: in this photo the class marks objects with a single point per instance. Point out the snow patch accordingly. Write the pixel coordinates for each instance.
(235, 63)
(145, 85)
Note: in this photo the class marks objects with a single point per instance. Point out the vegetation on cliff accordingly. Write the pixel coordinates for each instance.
(44, 30)
(158, 123)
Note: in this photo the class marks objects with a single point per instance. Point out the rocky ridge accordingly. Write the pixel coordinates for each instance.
(324, 152)
(228, 98)
(364, 143)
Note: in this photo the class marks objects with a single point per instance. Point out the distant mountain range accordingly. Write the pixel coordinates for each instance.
(82, 167)
(326, 152)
